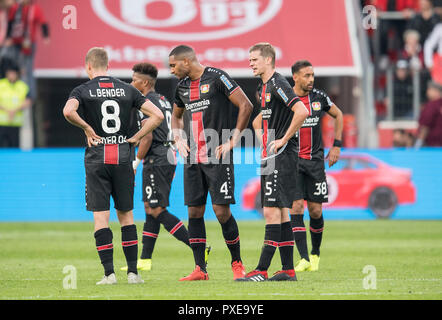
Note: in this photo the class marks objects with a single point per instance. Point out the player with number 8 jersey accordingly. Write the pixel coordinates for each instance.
(108, 104)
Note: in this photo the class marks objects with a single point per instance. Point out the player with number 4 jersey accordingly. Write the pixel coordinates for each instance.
(108, 104)
(200, 117)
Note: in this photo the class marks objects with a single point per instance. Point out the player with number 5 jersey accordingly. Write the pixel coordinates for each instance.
(107, 106)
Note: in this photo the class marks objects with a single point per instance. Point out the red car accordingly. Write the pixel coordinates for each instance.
(355, 181)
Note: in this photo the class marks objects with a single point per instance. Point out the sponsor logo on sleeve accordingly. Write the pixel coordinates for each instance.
(226, 82)
(282, 95)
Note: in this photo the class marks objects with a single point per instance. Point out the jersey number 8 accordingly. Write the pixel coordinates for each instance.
(114, 117)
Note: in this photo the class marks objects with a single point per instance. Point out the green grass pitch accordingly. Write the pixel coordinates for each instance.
(406, 257)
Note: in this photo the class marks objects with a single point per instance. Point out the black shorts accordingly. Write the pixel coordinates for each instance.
(311, 181)
(157, 182)
(105, 180)
(199, 179)
(278, 182)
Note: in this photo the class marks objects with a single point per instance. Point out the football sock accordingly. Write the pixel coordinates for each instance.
(271, 239)
(151, 230)
(286, 246)
(316, 229)
(174, 226)
(129, 242)
(231, 236)
(105, 248)
(300, 235)
(197, 240)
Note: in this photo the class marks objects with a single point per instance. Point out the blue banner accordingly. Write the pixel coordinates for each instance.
(49, 185)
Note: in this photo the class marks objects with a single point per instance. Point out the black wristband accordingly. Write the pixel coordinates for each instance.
(337, 143)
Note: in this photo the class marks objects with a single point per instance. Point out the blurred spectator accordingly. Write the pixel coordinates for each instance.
(24, 19)
(437, 4)
(391, 30)
(402, 92)
(403, 138)
(430, 120)
(412, 51)
(433, 53)
(424, 21)
(5, 5)
(14, 98)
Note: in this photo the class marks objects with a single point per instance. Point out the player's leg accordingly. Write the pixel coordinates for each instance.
(151, 230)
(103, 241)
(123, 182)
(97, 193)
(316, 230)
(316, 194)
(195, 196)
(300, 235)
(272, 236)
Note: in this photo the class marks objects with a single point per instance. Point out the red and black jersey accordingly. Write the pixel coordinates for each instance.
(107, 105)
(161, 135)
(309, 138)
(276, 98)
(207, 121)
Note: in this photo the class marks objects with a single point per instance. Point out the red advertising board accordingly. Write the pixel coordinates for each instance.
(221, 31)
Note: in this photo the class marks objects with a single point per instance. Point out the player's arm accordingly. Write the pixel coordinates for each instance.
(300, 114)
(177, 124)
(335, 151)
(155, 118)
(240, 100)
(70, 112)
(143, 148)
(257, 126)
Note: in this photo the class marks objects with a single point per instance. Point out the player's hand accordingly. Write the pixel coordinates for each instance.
(333, 156)
(183, 148)
(134, 141)
(223, 150)
(92, 138)
(275, 145)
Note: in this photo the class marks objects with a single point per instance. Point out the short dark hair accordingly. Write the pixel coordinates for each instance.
(147, 69)
(181, 50)
(298, 65)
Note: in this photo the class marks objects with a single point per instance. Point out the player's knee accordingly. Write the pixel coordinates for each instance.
(315, 211)
(196, 212)
(297, 207)
(222, 212)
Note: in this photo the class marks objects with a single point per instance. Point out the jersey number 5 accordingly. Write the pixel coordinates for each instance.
(107, 117)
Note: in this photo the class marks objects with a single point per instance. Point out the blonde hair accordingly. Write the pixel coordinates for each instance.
(98, 58)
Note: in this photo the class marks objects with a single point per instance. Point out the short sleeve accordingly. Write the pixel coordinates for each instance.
(76, 94)
(226, 84)
(284, 92)
(177, 98)
(327, 103)
(138, 98)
